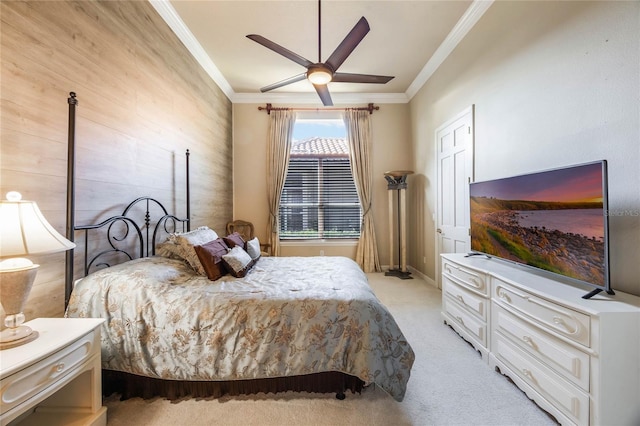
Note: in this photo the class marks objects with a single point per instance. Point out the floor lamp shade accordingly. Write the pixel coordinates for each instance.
(23, 231)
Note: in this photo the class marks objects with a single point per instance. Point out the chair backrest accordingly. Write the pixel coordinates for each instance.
(242, 227)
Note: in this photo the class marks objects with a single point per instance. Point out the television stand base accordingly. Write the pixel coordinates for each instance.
(470, 254)
(596, 291)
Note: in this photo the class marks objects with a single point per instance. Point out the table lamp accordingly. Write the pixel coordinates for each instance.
(23, 231)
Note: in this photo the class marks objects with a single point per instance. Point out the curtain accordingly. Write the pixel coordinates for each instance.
(279, 144)
(358, 127)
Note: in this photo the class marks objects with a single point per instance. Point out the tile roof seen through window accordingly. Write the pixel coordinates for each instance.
(320, 147)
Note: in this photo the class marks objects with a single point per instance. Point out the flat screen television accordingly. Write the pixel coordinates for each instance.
(553, 220)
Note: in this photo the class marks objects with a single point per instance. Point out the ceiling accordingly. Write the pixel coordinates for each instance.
(408, 40)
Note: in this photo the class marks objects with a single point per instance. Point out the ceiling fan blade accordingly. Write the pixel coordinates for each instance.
(289, 80)
(323, 92)
(349, 43)
(342, 77)
(281, 50)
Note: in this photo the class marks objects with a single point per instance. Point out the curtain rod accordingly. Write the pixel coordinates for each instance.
(270, 108)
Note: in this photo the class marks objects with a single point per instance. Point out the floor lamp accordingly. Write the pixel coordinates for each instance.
(397, 182)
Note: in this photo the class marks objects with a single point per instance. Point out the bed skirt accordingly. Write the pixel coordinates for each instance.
(132, 386)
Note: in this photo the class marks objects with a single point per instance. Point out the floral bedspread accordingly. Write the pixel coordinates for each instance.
(288, 316)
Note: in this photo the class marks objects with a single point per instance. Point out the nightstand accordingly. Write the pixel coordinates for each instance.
(55, 379)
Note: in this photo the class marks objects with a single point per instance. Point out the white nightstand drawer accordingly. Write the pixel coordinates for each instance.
(551, 316)
(466, 277)
(468, 322)
(559, 355)
(470, 301)
(28, 382)
(570, 400)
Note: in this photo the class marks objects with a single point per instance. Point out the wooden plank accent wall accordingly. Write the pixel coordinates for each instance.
(143, 100)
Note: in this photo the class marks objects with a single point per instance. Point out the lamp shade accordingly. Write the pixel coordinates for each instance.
(25, 231)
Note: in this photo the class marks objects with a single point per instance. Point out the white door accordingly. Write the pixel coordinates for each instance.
(454, 144)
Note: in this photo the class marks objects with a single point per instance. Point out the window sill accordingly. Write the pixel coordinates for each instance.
(319, 242)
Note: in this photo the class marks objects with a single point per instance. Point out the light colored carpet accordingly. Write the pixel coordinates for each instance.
(449, 385)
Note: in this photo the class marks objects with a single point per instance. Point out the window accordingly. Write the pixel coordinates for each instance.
(319, 199)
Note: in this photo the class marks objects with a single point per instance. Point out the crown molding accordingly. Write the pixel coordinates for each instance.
(462, 27)
(171, 17)
(312, 98)
(471, 16)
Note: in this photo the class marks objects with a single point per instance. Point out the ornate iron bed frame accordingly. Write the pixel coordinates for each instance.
(144, 242)
(131, 385)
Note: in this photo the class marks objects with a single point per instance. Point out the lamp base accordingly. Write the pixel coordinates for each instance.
(12, 337)
(403, 275)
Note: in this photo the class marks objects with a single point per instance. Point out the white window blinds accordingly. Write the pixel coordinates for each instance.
(319, 199)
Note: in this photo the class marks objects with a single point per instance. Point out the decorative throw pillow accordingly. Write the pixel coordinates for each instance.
(238, 262)
(181, 245)
(234, 239)
(253, 248)
(168, 249)
(210, 255)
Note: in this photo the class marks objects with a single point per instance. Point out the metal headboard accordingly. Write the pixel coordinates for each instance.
(126, 236)
(143, 243)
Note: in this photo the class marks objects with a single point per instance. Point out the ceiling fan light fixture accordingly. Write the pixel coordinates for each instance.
(319, 76)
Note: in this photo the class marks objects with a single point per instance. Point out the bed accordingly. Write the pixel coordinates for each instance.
(175, 330)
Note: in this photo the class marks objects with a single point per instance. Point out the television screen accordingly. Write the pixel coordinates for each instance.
(553, 220)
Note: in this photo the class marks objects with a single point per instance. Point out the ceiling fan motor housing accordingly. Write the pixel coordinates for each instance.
(319, 73)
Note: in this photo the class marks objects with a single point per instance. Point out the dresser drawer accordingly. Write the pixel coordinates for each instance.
(570, 400)
(559, 319)
(565, 359)
(28, 382)
(473, 280)
(472, 302)
(465, 320)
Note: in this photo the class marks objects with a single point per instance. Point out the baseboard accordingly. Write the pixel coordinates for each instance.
(422, 276)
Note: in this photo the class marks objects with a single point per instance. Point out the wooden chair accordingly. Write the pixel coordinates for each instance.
(246, 231)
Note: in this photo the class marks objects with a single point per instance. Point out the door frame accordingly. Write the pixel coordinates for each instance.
(470, 109)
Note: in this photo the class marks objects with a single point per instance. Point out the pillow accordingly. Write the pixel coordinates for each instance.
(167, 249)
(238, 262)
(210, 256)
(198, 236)
(253, 248)
(233, 240)
(181, 245)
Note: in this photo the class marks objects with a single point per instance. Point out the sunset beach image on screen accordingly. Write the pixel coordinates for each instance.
(553, 220)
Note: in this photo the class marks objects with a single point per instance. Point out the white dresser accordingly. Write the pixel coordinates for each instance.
(577, 359)
(55, 379)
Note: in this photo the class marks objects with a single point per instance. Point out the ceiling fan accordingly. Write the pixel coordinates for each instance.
(321, 73)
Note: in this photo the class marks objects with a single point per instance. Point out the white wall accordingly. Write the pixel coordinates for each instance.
(553, 84)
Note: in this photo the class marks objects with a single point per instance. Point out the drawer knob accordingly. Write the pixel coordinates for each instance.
(59, 367)
(459, 319)
(561, 322)
(527, 373)
(474, 282)
(503, 295)
(461, 299)
(529, 341)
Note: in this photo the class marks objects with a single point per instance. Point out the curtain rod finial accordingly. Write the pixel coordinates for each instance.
(268, 108)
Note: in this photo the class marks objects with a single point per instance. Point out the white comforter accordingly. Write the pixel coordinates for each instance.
(289, 316)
